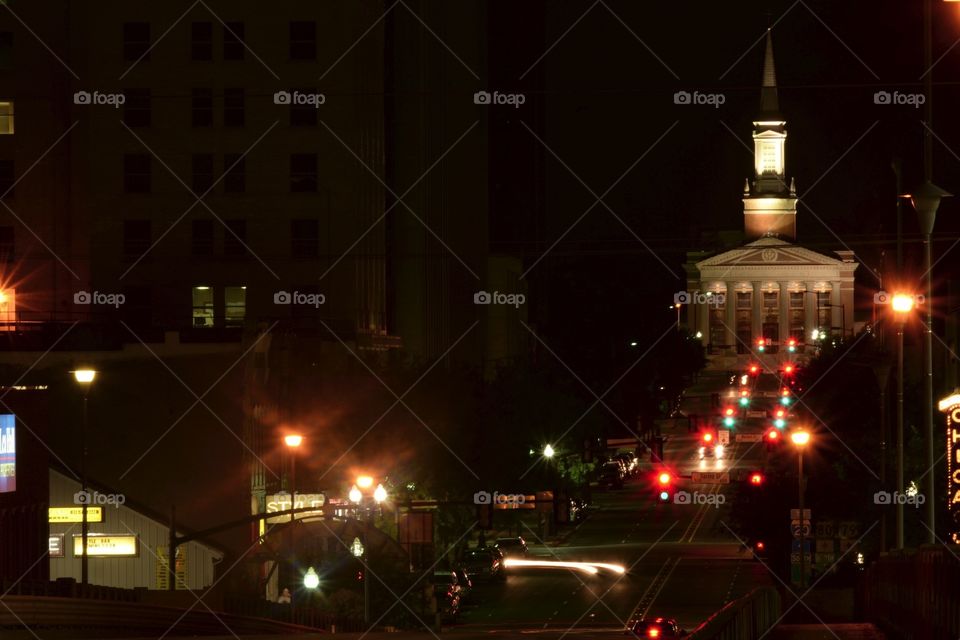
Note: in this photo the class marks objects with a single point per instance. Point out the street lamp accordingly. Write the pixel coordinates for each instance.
(310, 579)
(926, 200)
(801, 439)
(85, 378)
(902, 304)
(364, 482)
(293, 442)
(549, 451)
(355, 495)
(380, 494)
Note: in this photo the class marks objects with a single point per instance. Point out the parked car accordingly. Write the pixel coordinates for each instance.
(611, 475)
(484, 563)
(448, 602)
(512, 546)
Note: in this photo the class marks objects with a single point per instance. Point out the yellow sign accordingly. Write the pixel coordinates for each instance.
(951, 406)
(105, 545)
(67, 515)
(282, 502)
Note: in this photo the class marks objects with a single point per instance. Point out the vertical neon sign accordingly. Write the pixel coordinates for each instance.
(8, 453)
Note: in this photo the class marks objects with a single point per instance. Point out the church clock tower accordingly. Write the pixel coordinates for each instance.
(769, 204)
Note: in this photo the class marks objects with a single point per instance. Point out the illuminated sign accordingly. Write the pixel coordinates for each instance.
(56, 545)
(8, 453)
(951, 406)
(102, 545)
(68, 515)
(282, 502)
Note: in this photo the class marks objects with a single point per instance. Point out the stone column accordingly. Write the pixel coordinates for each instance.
(703, 320)
(809, 310)
(756, 322)
(784, 315)
(731, 316)
(836, 310)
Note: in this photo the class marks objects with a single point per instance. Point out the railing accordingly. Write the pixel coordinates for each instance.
(745, 618)
(914, 593)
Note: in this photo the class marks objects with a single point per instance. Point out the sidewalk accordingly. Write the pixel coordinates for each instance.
(851, 631)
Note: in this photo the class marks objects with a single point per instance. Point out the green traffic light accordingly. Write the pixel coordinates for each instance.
(728, 422)
(744, 401)
(784, 400)
(779, 423)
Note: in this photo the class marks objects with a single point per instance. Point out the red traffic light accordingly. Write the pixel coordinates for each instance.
(708, 437)
(664, 478)
(785, 392)
(773, 435)
(792, 342)
(781, 413)
(756, 478)
(754, 369)
(788, 369)
(729, 411)
(760, 546)
(744, 393)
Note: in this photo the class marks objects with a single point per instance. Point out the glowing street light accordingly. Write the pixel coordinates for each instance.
(293, 440)
(355, 495)
(902, 303)
(801, 438)
(84, 376)
(364, 482)
(310, 579)
(549, 451)
(380, 494)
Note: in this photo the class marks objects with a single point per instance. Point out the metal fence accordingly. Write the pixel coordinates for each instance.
(745, 618)
(914, 594)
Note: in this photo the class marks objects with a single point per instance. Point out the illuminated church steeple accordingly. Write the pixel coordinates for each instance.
(769, 204)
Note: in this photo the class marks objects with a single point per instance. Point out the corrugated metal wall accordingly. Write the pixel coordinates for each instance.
(128, 572)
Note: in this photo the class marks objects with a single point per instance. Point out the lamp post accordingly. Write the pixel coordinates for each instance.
(926, 200)
(356, 496)
(881, 370)
(801, 439)
(902, 304)
(292, 441)
(85, 378)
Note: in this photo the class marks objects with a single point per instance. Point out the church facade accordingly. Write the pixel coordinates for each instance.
(771, 298)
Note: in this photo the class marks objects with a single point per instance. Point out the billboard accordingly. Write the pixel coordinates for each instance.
(8, 453)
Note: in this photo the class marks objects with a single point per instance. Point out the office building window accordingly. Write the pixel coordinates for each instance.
(303, 40)
(202, 306)
(136, 238)
(136, 173)
(6, 117)
(234, 108)
(7, 178)
(796, 299)
(233, 48)
(303, 173)
(7, 253)
(201, 41)
(202, 166)
(234, 306)
(202, 238)
(305, 238)
(6, 50)
(235, 238)
(136, 41)
(303, 115)
(136, 108)
(235, 173)
(201, 107)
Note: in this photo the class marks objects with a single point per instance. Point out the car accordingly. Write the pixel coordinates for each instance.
(630, 461)
(656, 628)
(512, 546)
(448, 602)
(449, 580)
(484, 563)
(610, 475)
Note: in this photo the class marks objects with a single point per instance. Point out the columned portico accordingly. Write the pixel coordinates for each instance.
(730, 313)
(784, 311)
(756, 317)
(809, 309)
(836, 307)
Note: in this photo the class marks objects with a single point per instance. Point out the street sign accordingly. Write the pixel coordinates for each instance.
(795, 529)
(749, 437)
(849, 530)
(826, 529)
(755, 413)
(723, 436)
(795, 514)
(710, 477)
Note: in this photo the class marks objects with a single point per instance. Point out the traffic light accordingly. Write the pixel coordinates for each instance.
(788, 369)
(773, 435)
(729, 417)
(761, 344)
(756, 478)
(780, 418)
(744, 398)
(785, 397)
(664, 480)
(754, 369)
(708, 437)
(792, 345)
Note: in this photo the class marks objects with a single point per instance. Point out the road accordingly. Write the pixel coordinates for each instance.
(682, 560)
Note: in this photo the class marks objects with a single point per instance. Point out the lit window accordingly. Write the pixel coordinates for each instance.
(6, 117)
(202, 306)
(235, 306)
(8, 309)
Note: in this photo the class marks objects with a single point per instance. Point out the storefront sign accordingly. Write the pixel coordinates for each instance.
(282, 502)
(56, 545)
(951, 406)
(106, 546)
(8, 453)
(69, 515)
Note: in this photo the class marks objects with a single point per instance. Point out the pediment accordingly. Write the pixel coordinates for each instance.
(766, 253)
